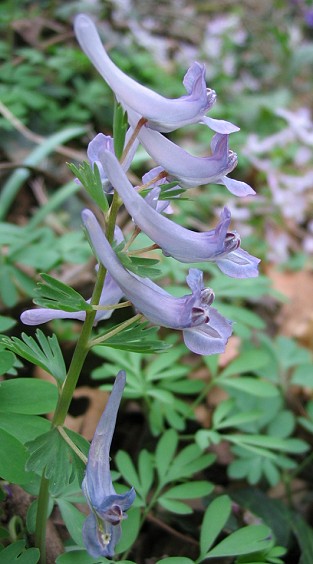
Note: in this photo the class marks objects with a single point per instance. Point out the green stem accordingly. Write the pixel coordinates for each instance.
(70, 382)
(41, 517)
(117, 329)
(115, 206)
(79, 356)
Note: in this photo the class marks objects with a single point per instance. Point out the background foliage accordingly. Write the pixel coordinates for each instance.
(212, 445)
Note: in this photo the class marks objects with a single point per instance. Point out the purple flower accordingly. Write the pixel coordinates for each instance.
(102, 528)
(111, 294)
(189, 170)
(205, 331)
(217, 245)
(101, 143)
(162, 113)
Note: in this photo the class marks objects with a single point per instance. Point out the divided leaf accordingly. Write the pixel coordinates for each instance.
(53, 294)
(137, 338)
(47, 354)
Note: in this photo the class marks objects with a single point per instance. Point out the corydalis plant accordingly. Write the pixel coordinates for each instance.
(102, 528)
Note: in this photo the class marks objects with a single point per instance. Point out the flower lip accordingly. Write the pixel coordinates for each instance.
(163, 114)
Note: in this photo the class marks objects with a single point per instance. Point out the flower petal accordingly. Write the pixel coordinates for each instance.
(237, 187)
(163, 114)
(209, 338)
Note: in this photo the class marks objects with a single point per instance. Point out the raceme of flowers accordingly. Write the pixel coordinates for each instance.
(204, 330)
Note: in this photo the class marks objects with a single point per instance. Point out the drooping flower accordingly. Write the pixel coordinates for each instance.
(205, 331)
(162, 113)
(111, 294)
(218, 245)
(102, 528)
(190, 170)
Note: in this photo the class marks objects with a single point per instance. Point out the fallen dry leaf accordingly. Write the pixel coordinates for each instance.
(295, 318)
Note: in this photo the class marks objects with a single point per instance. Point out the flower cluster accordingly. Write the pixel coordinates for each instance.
(205, 331)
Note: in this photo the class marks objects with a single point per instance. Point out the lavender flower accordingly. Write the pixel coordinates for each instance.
(101, 143)
(217, 245)
(102, 528)
(189, 170)
(205, 331)
(111, 294)
(162, 113)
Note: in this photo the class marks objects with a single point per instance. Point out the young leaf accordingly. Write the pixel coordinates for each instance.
(6, 323)
(51, 453)
(146, 472)
(47, 354)
(165, 452)
(91, 180)
(137, 338)
(126, 466)
(53, 294)
(7, 360)
(174, 506)
(250, 385)
(16, 552)
(215, 519)
(13, 456)
(130, 530)
(73, 520)
(141, 266)
(252, 538)
(119, 129)
(175, 560)
(28, 396)
(23, 427)
(296, 446)
(79, 557)
(247, 361)
(189, 490)
(187, 462)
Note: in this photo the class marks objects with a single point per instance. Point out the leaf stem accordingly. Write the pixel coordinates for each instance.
(69, 441)
(112, 306)
(117, 329)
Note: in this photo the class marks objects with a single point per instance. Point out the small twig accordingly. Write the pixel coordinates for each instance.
(144, 250)
(138, 127)
(132, 238)
(172, 531)
(162, 174)
(34, 137)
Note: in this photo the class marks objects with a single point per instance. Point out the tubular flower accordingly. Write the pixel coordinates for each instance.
(101, 143)
(111, 294)
(102, 528)
(205, 331)
(162, 114)
(189, 170)
(218, 245)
